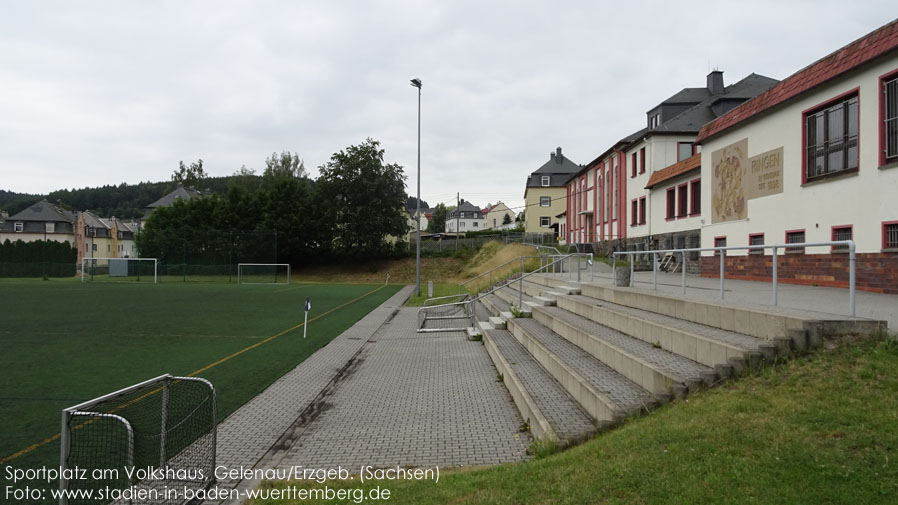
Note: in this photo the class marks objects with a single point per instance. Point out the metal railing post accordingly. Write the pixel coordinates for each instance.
(852, 260)
(632, 269)
(613, 267)
(521, 286)
(722, 252)
(654, 270)
(683, 269)
(775, 279)
(579, 266)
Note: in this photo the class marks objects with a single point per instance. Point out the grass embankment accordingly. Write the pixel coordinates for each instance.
(820, 429)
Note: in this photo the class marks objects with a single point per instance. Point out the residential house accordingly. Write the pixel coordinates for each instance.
(412, 220)
(612, 201)
(494, 217)
(179, 193)
(813, 159)
(545, 195)
(464, 218)
(97, 237)
(40, 221)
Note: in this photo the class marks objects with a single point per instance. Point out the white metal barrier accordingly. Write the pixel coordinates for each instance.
(721, 251)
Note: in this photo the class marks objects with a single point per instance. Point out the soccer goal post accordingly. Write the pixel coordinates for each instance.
(119, 269)
(148, 443)
(263, 273)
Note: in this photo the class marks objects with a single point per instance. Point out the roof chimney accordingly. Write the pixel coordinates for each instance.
(715, 82)
(558, 157)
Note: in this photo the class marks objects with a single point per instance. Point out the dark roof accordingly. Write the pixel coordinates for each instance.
(466, 206)
(559, 169)
(44, 211)
(877, 43)
(179, 193)
(92, 220)
(677, 169)
(692, 119)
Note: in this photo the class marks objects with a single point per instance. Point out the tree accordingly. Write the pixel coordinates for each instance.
(412, 203)
(190, 176)
(437, 223)
(506, 219)
(286, 164)
(362, 200)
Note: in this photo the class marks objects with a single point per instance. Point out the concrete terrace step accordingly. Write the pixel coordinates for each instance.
(510, 296)
(550, 412)
(655, 369)
(704, 344)
(604, 393)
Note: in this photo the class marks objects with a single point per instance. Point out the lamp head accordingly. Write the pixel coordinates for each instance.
(416, 83)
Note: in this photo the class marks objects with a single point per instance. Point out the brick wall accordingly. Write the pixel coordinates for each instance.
(876, 272)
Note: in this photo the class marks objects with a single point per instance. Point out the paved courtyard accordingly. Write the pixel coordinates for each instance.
(379, 394)
(415, 400)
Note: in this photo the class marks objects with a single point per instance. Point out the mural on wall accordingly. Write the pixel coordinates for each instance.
(736, 178)
(727, 173)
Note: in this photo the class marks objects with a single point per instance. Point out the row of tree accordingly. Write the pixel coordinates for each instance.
(354, 208)
(40, 257)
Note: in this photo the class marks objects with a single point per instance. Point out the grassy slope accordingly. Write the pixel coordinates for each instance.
(822, 429)
(65, 342)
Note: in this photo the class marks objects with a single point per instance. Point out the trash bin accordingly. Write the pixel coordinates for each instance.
(622, 277)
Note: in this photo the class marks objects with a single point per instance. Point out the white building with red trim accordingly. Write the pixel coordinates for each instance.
(813, 159)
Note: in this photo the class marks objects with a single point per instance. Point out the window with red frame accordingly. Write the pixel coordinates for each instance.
(633, 165)
(682, 193)
(890, 235)
(890, 119)
(841, 233)
(634, 215)
(642, 210)
(695, 198)
(831, 139)
(642, 161)
(795, 237)
(720, 242)
(756, 239)
(671, 202)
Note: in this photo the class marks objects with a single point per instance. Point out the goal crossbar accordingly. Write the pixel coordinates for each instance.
(109, 261)
(241, 276)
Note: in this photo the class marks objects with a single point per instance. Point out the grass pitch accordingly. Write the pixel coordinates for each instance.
(66, 342)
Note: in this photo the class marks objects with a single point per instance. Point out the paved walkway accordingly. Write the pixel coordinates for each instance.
(414, 400)
(248, 434)
(379, 394)
(827, 302)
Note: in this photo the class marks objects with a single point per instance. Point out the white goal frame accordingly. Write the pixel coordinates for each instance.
(240, 271)
(154, 260)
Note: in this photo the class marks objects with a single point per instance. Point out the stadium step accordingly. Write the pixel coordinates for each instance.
(698, 342)
(659, 371)
(548, 410)
(605, 394)
(618, 351)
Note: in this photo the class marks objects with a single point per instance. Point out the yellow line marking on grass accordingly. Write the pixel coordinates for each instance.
(191, 374)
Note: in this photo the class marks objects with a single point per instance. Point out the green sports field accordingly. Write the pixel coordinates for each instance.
(63, 342)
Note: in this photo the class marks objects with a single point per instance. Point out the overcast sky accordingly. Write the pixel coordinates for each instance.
(95, 93)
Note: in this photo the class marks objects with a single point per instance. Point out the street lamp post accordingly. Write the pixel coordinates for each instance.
(417, 83)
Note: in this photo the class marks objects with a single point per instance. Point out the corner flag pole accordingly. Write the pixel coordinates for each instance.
(306, 321)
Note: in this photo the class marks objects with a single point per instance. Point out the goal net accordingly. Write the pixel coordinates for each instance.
(263, 273)
(150, 443)
(119, 269)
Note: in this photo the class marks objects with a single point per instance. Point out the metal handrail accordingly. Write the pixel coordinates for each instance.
(721, 251)
(427, 301)
(470, 303)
